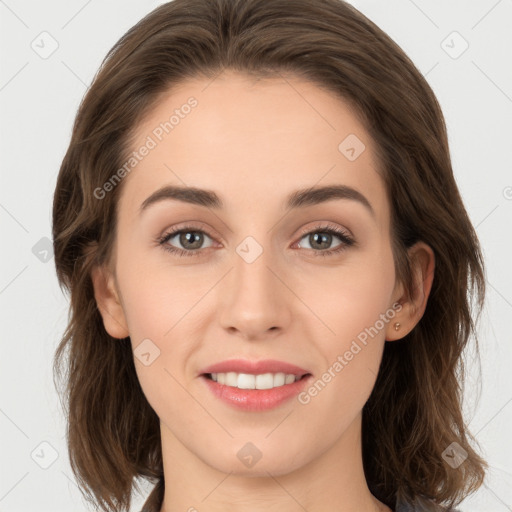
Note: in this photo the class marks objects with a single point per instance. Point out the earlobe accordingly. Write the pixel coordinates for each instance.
(108, 302)
(422, 260)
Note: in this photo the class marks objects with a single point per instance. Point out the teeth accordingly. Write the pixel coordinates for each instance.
(249, 381)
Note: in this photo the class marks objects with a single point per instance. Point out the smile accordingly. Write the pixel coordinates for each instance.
(249, 381)
(240, 390)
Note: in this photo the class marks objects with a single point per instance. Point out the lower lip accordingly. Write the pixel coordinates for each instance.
(255, 399)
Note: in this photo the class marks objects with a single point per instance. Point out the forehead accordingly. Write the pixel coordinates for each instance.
(253, 142)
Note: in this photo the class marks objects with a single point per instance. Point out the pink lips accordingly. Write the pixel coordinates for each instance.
(254, 367)
(255, 399)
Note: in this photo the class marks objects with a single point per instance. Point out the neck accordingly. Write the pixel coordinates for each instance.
(333, 481)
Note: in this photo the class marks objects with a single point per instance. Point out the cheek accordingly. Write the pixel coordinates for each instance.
(351, 357)
(160, 305)
(351, 297)
(354, 303)
(156, 295)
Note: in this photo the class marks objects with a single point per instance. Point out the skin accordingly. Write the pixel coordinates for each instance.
(253, 143)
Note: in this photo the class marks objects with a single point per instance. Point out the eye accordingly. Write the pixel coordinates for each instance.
(191, 238)
(322, 236)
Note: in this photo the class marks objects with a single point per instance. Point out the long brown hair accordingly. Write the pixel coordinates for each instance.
(415, 410)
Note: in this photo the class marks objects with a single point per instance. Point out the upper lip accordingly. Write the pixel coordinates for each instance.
(255, 367)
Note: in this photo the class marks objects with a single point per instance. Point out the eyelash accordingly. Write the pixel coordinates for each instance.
(332, 230)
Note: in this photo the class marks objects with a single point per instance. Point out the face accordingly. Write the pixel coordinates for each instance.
(309, 283)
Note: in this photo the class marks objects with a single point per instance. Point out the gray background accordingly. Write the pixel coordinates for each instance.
(39, 95)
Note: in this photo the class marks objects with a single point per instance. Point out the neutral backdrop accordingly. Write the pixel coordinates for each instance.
(50, 52)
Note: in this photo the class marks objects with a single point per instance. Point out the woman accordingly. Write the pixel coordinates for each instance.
(222, 147)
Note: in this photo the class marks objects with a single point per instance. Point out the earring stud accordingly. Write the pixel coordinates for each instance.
(397, 326)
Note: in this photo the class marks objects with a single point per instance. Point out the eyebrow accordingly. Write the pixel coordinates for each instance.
(299, 198)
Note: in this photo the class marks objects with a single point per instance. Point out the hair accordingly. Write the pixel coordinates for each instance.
(415, 410)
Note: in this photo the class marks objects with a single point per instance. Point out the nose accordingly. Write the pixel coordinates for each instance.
(255, 301)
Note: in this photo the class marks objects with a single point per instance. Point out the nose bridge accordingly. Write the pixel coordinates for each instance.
(252, 276)
(255, 300)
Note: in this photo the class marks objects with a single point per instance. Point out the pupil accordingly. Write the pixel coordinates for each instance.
(192, 237)
(325, 237)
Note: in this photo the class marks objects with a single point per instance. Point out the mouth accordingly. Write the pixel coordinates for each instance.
(255, 381)
(255, 392)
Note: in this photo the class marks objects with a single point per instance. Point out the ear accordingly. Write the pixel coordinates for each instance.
(422, 261)
(109, 304)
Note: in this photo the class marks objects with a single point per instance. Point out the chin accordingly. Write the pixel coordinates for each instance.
(248, 459)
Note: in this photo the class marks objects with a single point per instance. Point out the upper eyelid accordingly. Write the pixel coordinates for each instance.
(172, 232)
(326, 226)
